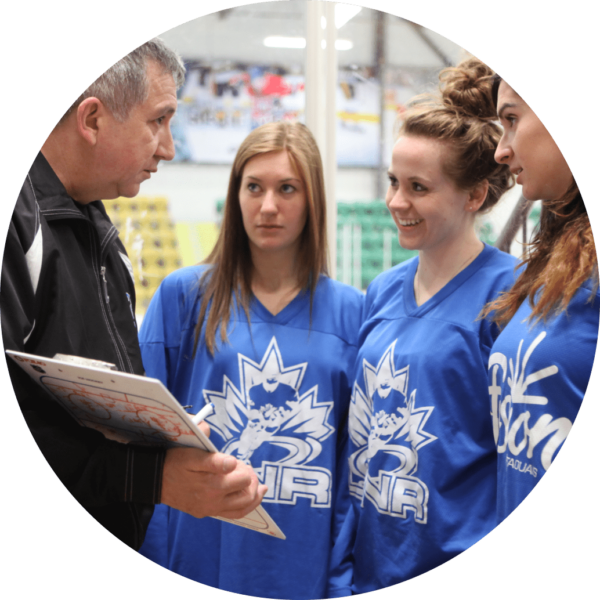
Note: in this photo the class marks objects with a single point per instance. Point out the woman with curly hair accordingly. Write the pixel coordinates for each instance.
(541, 363)
(422, 455)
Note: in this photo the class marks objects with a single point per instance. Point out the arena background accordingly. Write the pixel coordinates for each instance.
(242, 71)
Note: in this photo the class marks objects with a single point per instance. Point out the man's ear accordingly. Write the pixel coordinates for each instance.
(477, 196)
(89, 115)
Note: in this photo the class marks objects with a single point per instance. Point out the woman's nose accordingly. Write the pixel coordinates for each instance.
(397, 200)
(269, 204)
(503, 151)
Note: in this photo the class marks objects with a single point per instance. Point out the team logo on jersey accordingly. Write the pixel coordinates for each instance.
(513, 430)
(388, 429)
(270, 424)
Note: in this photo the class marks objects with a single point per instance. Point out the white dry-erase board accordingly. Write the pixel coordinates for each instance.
(128, 409)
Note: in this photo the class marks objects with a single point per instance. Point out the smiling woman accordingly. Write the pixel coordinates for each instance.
(422, 459)
(431, 213)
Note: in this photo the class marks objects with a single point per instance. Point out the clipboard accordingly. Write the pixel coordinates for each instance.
(128, 409)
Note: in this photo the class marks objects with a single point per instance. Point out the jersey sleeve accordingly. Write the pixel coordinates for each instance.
(340, 573)
(168, 314)
(152, 341)
(343, 526)
(340, 563)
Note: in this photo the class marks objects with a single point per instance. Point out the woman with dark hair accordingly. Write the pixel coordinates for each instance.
(261, 332)
(541, 363)
(422, 456)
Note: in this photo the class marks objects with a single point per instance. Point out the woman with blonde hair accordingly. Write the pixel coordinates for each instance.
(541, 363)
(422, 458)
(261, 332)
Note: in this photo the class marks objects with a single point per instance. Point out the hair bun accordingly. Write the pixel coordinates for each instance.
(468, 89)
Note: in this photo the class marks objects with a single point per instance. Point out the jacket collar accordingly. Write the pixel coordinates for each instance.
(49, 190)
(55, 203)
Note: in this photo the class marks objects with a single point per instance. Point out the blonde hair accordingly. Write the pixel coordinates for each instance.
(228, 280)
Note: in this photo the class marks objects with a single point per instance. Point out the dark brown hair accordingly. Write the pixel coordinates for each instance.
(228, 279)
(559, 259)
(463, 114)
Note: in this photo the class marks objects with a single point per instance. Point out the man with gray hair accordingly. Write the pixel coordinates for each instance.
(67, 287)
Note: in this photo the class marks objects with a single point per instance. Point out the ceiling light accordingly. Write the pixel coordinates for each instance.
(343, 45)
(279, 41)
(339, 44)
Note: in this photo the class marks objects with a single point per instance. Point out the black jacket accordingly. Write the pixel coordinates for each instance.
(66, 287)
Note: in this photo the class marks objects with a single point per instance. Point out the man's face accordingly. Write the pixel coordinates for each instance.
(128, 152)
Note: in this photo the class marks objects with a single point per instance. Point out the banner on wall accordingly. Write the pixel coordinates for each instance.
(220, 106)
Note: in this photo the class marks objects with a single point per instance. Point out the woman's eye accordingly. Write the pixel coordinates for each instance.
(417, 187)
(393, 182)
(287, 188)
(253, 187)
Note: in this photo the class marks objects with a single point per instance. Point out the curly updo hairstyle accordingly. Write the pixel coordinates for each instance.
(463, 114)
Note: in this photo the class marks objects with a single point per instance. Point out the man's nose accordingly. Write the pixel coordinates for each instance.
(166, 147)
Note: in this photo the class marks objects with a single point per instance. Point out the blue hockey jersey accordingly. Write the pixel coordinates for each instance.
(281, 389)
(538, 374)
(422, 456)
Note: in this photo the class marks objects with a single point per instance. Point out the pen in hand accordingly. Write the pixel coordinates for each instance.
(207, 411)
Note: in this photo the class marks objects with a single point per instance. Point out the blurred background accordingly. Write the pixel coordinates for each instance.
(247, 66)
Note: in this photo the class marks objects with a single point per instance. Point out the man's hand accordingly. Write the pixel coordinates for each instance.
(207, 484)
(204, 427)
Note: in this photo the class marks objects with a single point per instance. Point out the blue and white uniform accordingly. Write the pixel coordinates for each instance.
(538, 374)
(422, 455)
(281, 390)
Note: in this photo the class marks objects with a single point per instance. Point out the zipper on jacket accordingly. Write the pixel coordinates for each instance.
(105, 284)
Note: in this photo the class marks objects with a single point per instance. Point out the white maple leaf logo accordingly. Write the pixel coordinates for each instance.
(269, 410)
(399, 433)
